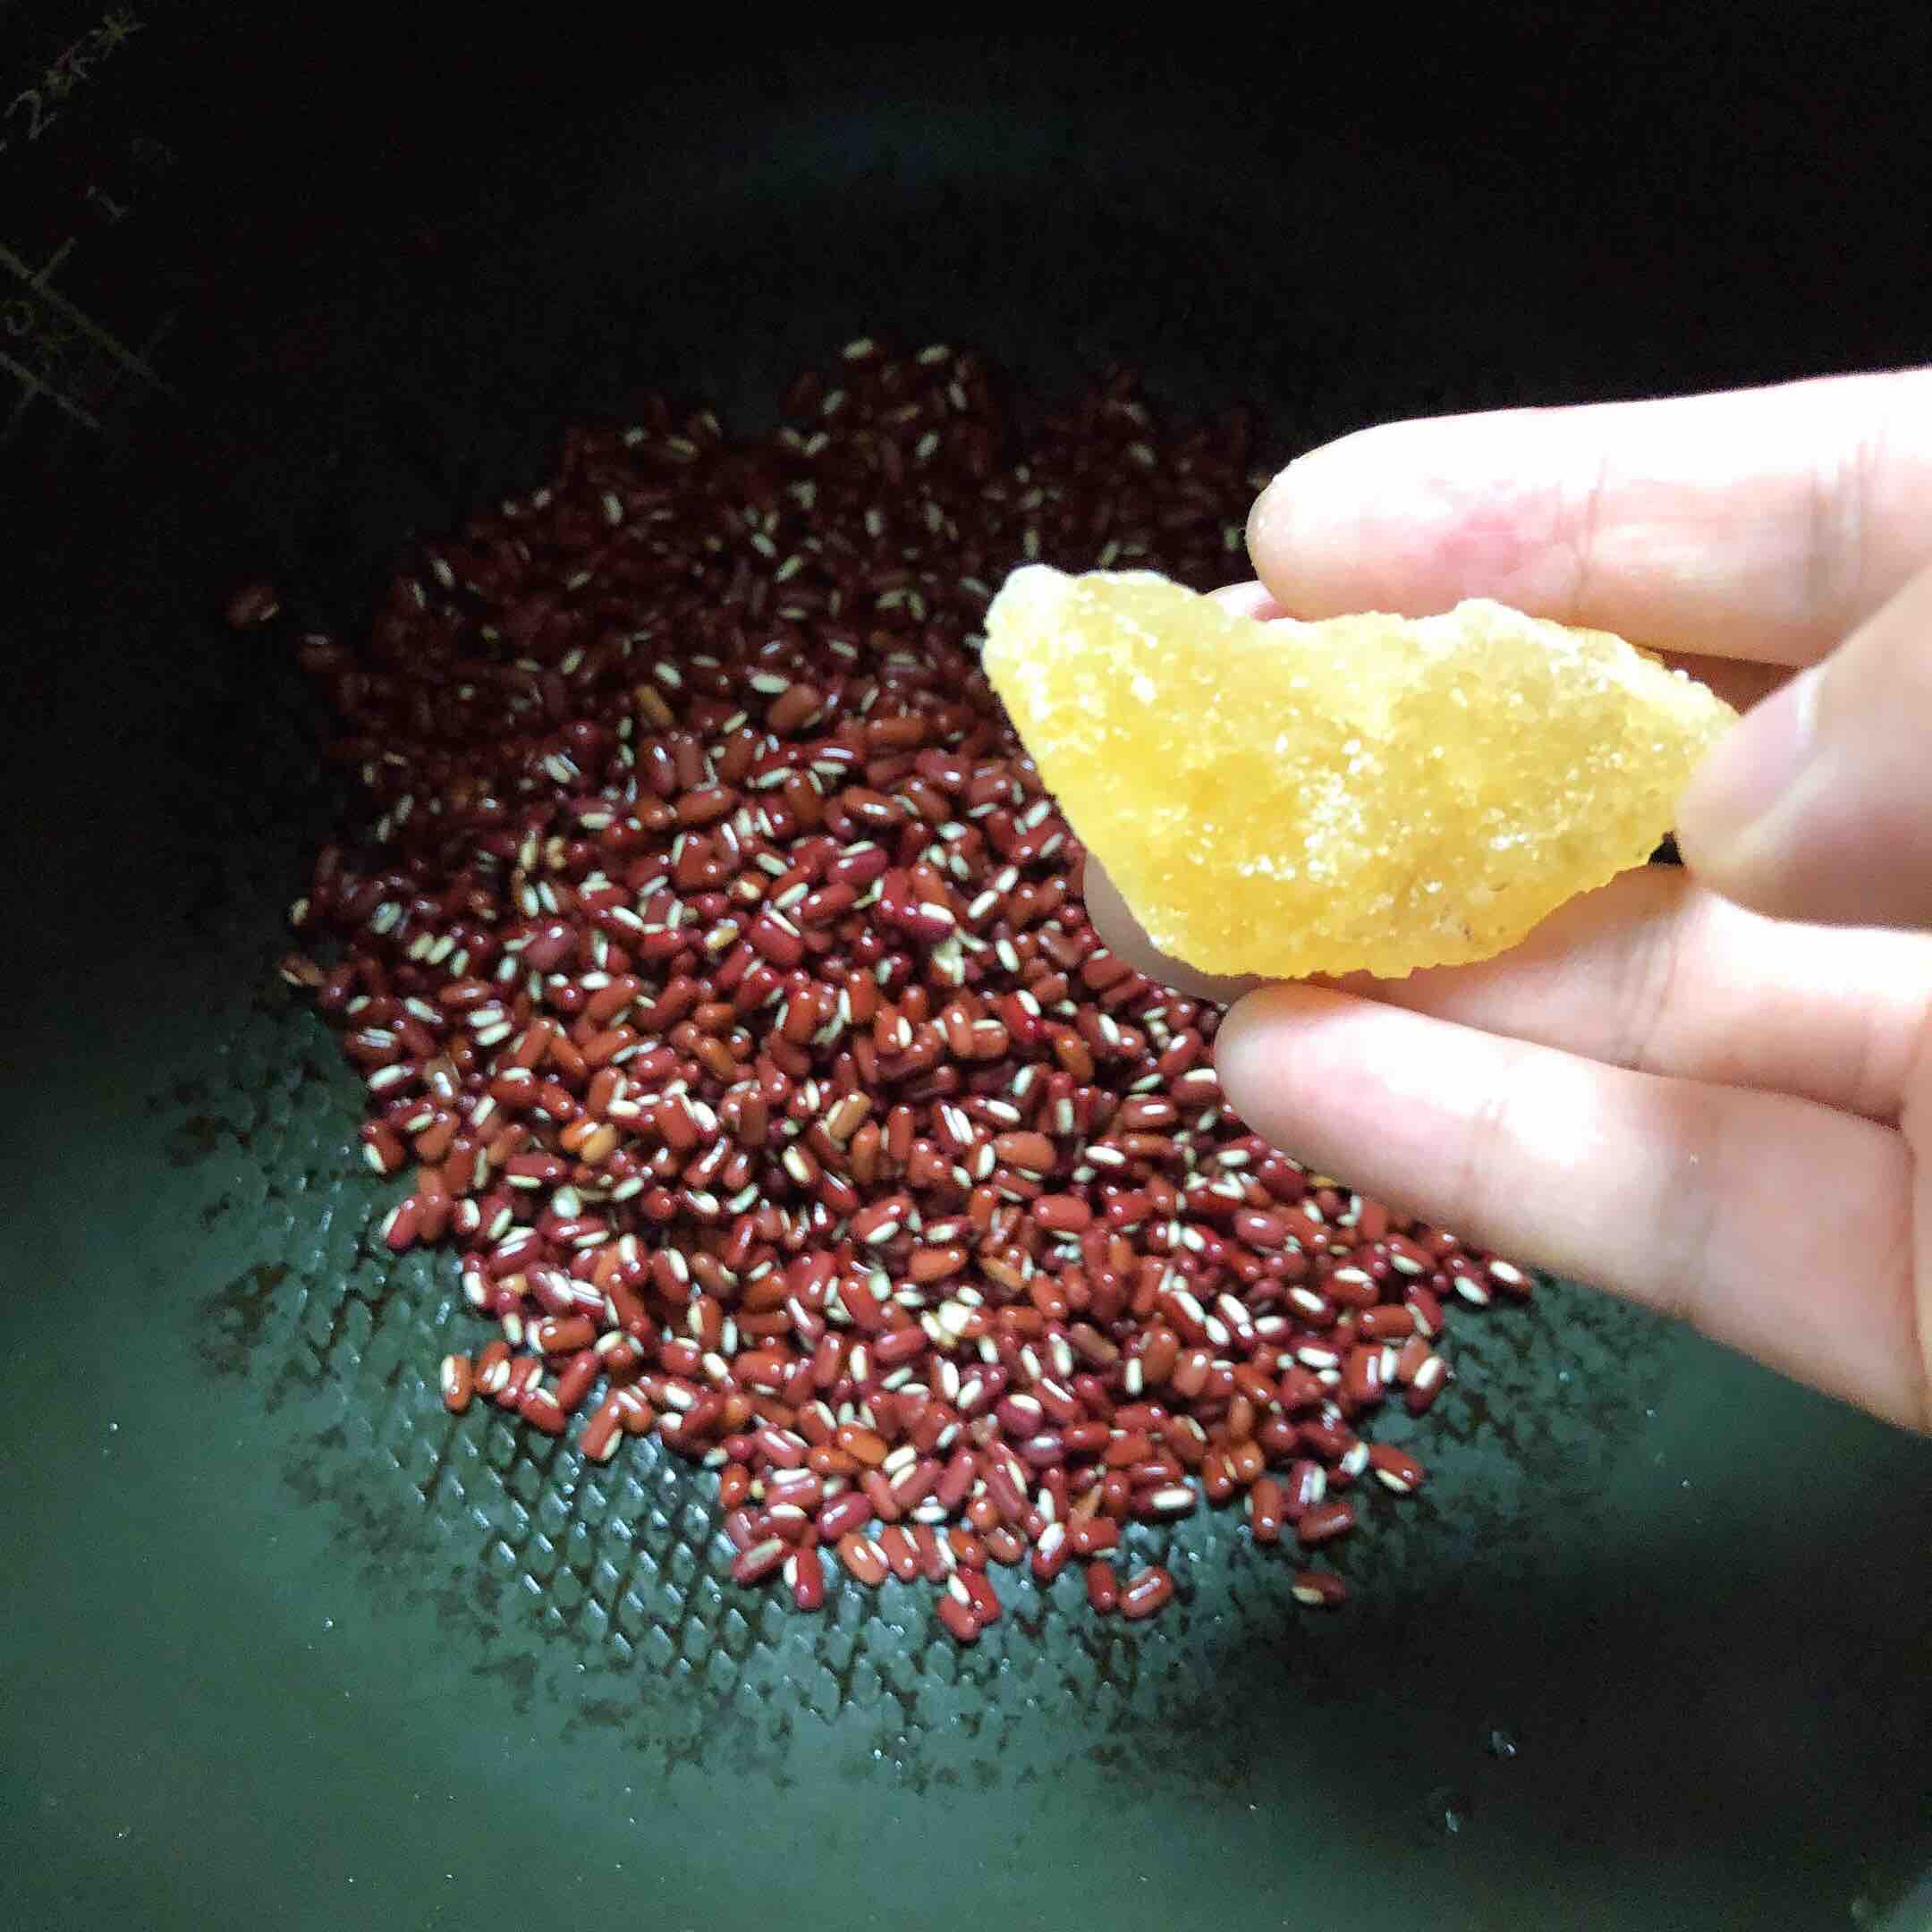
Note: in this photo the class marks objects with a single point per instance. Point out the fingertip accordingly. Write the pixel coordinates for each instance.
(1729, 829)
(1308, 529)
(1254, 1046)
(1271, 533)
(1114, 922)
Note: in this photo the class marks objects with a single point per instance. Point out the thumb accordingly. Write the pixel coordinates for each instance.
(1819, 805)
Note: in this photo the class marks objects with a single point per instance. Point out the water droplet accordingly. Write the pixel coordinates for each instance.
(1499, 1744)
(1450, 1808)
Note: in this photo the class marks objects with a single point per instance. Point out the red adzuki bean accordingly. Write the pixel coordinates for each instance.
(708, 954)
(1326, 1520)
(1145, 1593)
(1103, 1588)
(458, 1380)
(253, 606)
(1318, 1588)
(957, 1614)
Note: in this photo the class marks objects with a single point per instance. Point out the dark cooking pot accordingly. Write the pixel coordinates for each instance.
(1654, 1649)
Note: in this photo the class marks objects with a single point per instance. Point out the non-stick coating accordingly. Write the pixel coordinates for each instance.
(290, 1647)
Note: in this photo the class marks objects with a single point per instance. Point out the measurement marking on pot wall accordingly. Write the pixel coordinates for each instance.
(54, 349)
(34, 110)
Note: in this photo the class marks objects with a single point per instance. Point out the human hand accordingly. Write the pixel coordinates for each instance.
(1697, 1101)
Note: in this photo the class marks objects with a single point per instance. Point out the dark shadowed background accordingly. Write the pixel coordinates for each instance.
(289, 1648)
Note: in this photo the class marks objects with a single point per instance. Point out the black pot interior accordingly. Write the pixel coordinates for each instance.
(1657, 1654)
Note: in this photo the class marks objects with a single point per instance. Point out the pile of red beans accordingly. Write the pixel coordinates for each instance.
(715, 965)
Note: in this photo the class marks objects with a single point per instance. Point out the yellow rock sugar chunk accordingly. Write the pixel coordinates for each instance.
(1365, 794)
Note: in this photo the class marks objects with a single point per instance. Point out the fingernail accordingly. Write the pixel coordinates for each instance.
(1734, 792)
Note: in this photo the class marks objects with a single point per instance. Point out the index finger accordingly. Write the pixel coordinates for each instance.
(1761, 523)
